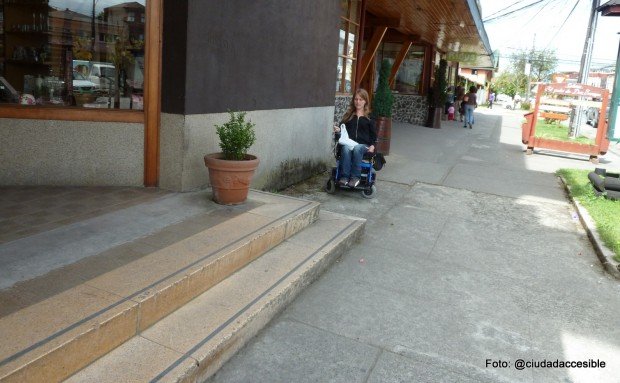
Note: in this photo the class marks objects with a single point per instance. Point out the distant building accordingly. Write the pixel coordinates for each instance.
(600, 78)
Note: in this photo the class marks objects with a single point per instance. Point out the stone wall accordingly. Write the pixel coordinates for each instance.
(77, 153)
(342, 104)
(407, 108)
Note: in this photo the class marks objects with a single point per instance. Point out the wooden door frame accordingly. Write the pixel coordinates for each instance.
(152, 91)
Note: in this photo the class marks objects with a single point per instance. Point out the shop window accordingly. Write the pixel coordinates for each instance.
(64, 53)
(347, 54)
(409, 76)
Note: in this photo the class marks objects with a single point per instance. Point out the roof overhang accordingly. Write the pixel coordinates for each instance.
(452, 27)
(610, 8)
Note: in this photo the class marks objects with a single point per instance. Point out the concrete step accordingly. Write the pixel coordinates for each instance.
(51, 339)
(192, 343)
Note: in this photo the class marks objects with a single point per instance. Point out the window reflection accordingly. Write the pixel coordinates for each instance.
(409, 76)
(83, 53)
(346, 47)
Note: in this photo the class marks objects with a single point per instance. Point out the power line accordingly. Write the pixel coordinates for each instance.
(511, 12)
(537, 13)
(505, 9)
(562, 26)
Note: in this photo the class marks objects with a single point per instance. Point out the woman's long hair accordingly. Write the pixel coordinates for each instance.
(364, 95)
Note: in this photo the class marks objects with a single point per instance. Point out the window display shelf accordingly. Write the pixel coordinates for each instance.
(27, 33)
(26, 62)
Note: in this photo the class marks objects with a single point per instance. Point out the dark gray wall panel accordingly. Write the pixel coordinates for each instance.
(260, 54)
(174, 56)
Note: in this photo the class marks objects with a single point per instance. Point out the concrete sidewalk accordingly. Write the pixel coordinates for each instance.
(473, 259)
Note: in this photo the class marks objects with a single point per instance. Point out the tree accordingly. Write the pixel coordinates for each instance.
(508, 83)
(543, 63)
(383, 100)
(514, 80)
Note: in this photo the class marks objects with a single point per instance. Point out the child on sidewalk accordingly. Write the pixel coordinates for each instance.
(451, 112)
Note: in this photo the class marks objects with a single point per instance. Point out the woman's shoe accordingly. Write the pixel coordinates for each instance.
(343, 182)
(354, 182)
(469, 126)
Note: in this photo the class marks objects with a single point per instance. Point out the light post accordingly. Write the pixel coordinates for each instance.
(527, 71)
(613, 131)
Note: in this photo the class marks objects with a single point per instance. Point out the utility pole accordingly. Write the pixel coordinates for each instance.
(528, 70)
(584, 67)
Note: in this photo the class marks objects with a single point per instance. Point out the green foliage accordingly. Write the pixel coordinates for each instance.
(554, 131)
(383, 99)
(440, 86)
(508, 83)
(514, 80)
(526, 105)
(604, 212)
(236, 136)
(543, 63)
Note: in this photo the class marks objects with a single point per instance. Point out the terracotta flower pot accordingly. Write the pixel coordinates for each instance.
(230, 180)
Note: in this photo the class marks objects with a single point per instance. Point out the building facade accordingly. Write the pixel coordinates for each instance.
(101, 92)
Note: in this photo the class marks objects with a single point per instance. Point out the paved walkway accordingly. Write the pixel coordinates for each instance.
(472, 259)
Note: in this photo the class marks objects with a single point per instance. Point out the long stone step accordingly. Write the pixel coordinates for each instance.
(53, 338)
(192, 343)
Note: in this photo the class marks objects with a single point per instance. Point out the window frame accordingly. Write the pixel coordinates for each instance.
(64, 113)
(352, 23)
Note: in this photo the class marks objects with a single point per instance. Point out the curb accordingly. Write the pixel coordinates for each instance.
(603, 253)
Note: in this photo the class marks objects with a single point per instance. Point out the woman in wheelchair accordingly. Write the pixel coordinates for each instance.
(360, 129)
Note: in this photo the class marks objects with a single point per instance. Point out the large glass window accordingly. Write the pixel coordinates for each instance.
(81, 53)
(347, 55)
(409, 76)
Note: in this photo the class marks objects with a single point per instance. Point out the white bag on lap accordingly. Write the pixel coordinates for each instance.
(344, 138)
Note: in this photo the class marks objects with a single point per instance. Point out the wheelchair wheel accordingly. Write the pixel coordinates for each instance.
(370, 193)
(330, 186)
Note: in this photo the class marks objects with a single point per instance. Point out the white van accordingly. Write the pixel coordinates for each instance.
(103, 75)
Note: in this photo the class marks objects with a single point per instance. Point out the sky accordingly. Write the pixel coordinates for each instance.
(547, 25)
(86, 7)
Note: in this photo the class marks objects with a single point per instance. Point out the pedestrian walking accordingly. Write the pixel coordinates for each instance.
(460, 93)
(471, 103)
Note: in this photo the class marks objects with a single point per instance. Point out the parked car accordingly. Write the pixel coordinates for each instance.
(102, 74)
(504, 100)
(81, 84)
(592, 116)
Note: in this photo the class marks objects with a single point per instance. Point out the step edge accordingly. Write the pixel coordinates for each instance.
(287, 223)
(272, 305)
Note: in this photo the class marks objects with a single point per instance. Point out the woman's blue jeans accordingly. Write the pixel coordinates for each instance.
(351, 161)
(469, 114)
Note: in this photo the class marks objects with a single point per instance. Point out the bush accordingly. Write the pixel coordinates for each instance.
(236, 136)
(383, 100)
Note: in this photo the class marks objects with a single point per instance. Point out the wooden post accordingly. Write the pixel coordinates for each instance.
(369, 54)
(360, 45)
(152, 91)
(399, 61)
(428, 69)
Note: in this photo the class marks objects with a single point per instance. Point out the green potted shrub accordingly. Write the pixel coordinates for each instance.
(231, 170)
(437, 97)
(382, 108)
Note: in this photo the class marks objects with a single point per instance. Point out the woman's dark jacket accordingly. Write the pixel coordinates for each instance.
(362, 130)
